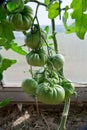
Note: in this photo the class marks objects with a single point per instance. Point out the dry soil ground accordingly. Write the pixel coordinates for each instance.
(48, 119)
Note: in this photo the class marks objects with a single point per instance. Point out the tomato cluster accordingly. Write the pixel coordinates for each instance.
(47, 83)
(48, 88)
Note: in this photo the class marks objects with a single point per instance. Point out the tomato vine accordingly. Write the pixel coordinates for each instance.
(48, 83)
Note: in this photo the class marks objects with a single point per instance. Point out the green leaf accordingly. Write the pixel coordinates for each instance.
(65, 18)
(50, 37)
(11, 6)
(2, 41)
(47, 2)
(53, 10)
(7, 45)
(3, 13)
(44, 44)
(15, 5)
(51, 44)
(80, 17)
(6, 63)
(18, 49)
(46, 29)
(71, 28)
(4, 102)
(1, 77)
(6, 34)
(1, 29)
(7, 30)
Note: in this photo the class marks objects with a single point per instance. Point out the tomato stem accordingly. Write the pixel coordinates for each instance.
(64, 115)
(35, 17)
(38, 2)
(54, 36)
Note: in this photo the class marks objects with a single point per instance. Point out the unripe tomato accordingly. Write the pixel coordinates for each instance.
(29, 86)
(22, 21)
(35, 38)
(58, 61)
(69, 88)
(37, 57)
(50, 93)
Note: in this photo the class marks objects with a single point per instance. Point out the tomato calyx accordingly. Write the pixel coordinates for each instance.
(15, 6)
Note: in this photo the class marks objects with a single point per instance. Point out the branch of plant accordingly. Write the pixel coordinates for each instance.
(54, 36)
(62, 77)
(38, 2)
(60, 9)
(35, 17)
(64, 115)
(48, 47)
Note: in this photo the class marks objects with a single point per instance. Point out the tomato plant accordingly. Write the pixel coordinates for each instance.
(48, 84)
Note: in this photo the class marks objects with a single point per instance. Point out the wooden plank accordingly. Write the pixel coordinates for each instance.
(17, 95)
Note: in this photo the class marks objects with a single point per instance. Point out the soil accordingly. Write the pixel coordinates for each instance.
(11, 118)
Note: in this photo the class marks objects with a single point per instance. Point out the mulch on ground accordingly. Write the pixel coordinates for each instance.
(11, 118)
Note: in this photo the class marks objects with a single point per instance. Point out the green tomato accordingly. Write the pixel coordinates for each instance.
(35, 38)
(69, 88)
(50, 93)
(15, 6)
(22, 21)
(29, 86)
(58, 61)
(37, 57)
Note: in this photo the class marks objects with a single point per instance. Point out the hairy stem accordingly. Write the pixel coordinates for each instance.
(64, 115)
(54, 36)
